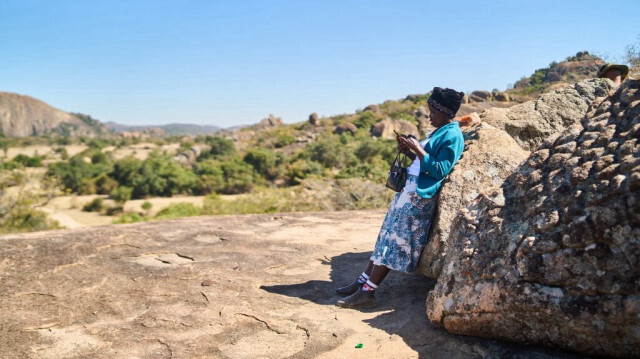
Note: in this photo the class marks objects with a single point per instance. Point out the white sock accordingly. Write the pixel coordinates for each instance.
(363, 278)
(369, 286)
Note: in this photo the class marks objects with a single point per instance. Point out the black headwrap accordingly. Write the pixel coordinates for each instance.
(446, 100)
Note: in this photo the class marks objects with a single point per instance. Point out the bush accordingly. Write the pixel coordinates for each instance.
(114, 210)
(263, 162)
(220, 147)
(121, 194)
(330, 153)
(74, 175)
(103, 184)
(64, 155)
(366, 119)
(238, 177)
(19, 207)
(301, 169)
(28, 161)
(210, 177)
(147, 206)
(178, 210)
(129, 217)
(93, 206)
(160, 175)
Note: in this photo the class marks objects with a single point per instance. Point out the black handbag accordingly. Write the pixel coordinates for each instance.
(397, 173)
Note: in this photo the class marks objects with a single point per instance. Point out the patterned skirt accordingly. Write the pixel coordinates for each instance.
(405, 230)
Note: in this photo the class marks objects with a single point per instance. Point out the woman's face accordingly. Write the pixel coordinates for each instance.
(437, 118)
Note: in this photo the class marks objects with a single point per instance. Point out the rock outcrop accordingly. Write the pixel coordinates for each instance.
(23, 116)
(345, 127)
(480, 96)
(552, 257)
(385, 128)
(490, 156)
(269, 122)
(531, 122)
(314, 119)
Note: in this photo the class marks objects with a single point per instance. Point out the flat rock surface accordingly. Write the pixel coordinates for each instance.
(258, 286)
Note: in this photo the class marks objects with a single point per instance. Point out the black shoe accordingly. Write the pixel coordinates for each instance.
(360, 299)
(349, 289)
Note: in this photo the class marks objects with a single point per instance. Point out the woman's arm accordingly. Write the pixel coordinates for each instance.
(440, 165)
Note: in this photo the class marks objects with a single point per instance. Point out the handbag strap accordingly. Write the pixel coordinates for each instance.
(402, 162)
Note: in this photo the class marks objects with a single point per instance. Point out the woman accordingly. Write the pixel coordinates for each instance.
(405, 229)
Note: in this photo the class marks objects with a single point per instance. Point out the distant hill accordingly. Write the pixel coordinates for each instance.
(174, 129)
(23, 116)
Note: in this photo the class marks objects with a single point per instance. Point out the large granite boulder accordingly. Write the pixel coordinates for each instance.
(386, 127)
(490, 156)
(552, 257)
(533, 121)
(345, 127)
(480, 96)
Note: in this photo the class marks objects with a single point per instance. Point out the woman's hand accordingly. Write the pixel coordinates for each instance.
(412, 144)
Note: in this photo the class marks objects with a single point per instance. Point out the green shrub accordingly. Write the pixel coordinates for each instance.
(238, 176)
(301, 169)
(74, 175)
(210, 177)
(104, 184)
(220, 147)
(179, 210)
(263, 161)
(64, 155)
(329, 152)
(114, 210)
(160, 175)
(283, 139)
(366, 120)
(28, 161)
(129, 217)
(93, 206)
(121, 194)
(147, 206)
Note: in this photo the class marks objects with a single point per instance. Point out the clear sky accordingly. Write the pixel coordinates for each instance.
(229, 63)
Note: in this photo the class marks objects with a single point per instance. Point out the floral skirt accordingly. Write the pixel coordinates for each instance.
(405, 230)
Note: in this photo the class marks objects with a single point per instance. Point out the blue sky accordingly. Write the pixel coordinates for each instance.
(228, 63)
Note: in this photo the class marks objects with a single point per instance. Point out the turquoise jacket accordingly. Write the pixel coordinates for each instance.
(443, 151)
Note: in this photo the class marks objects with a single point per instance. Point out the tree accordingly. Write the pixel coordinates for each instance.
(632, 57)
(263, 161)
(19, 207)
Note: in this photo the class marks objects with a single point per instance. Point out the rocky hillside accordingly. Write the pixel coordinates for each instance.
(575, 68)
(22, 116)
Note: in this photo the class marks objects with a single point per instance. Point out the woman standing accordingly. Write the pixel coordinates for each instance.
(405, 229)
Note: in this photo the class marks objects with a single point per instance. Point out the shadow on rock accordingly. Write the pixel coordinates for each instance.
(402, 306)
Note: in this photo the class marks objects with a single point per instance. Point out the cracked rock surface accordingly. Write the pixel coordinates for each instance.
(552, 257)
(258, 286)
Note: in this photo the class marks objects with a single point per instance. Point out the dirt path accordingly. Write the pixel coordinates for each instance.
(256, 286)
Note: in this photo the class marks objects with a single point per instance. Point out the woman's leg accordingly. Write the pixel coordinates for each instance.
(361, 280)
(378, 274)
(365, 297)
